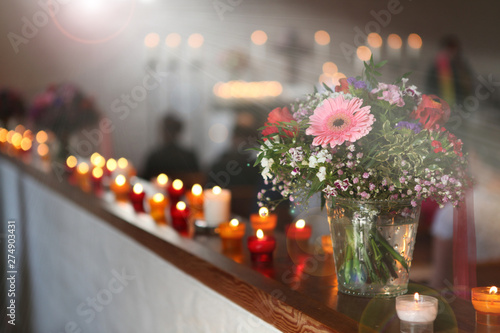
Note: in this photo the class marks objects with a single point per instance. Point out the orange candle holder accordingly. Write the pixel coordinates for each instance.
(157, 205)
(264, 221)
(486, 301)
(121, 188)
(83, 177)
(195, 200)
(231, 234)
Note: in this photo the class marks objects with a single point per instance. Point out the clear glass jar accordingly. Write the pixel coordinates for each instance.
(373, 243)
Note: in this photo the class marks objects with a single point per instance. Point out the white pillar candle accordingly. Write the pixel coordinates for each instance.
(417, 308)
(216, 206)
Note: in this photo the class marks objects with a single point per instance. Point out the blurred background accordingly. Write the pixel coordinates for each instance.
(138, 59)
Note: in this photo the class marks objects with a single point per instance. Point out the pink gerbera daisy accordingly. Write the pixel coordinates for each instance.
(338, 120)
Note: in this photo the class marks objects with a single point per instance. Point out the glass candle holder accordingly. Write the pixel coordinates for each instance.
(180, 216)
(231, 234)
(416, 312)
(157, 205)
(137, 198)
(486, 301)
(261, 247)
(264, 221)
(176, 190)
(121, 188)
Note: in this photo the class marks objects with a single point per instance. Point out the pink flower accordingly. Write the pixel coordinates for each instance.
(338, 120)
(390, 93)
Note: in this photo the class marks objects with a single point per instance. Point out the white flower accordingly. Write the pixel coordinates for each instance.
(266, 163)
(321, 174)
(313, 162)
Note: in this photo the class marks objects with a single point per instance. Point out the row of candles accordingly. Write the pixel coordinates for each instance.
(416, 312)
(211, 205)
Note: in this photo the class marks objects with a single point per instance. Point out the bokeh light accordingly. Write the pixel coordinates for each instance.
(363, 53)
(173, 40)
(195, 41)
(414, 41)
(259, 37)
(330, 68)
(322, 37)
(152, 40)
(394, 41)
(374, 40)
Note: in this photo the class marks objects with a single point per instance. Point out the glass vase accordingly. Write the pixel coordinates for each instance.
(373, 243)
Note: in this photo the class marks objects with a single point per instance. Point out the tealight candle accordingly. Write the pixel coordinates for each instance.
(137, 197)
(96, 178)
(195, 200)
(161, 182)
(111, 166)
(261, 247)
(299, 231)
(486, 301)
(180, 216)
(120, 188)
(82, 177)
(216, 206)
(157, 205)
(263, 220)
(416, 312)
(176, 190)
(231, 234)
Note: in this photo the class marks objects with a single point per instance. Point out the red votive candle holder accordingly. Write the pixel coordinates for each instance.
(299, 231)
(261, 247)
(176, 190)
(96, 179)
(180, 216)
(231, 234)
(137, 198)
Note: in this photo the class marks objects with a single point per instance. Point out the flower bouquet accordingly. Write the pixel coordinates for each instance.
(360, 144)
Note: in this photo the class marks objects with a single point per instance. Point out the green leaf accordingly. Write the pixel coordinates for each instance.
(327, 87)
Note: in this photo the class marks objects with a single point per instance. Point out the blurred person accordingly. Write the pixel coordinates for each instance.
(235, 170)
(450, 76)
(171, 158)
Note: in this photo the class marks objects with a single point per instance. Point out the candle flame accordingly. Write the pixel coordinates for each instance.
(162, 179)
(196, 189)
(16, 140)
(111, 164)
(234, 222)
(97, 172)
(416, 297)
(158, 197)
(120, 180)
(300, 224)
(83, 168)
(137, 188)
(41, 137)
(260, 234)
(181, 205)
(263, 212)
(71, 161)
(177, 184)
(94, 157)
(216, 190)
(122, 163)
(493, 290)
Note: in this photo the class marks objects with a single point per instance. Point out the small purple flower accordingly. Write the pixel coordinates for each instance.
(360, 85)
(366, 175)
(415, 127)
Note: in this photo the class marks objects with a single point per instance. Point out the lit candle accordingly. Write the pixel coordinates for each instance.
(110, 167)
(486, 301)
(176, 190)
(216, 206)
(125, 167)
(195, 200)
(97, 160)
(263, 220)
(180, 216)
(157, 205)
(96, 178)
(416, 312)
(71, 163)
(161, 182)
(137, 198)
(299, 231)
(120, 188)
(43, 151)
(82, 177)
(231, 234)
(261, 247)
